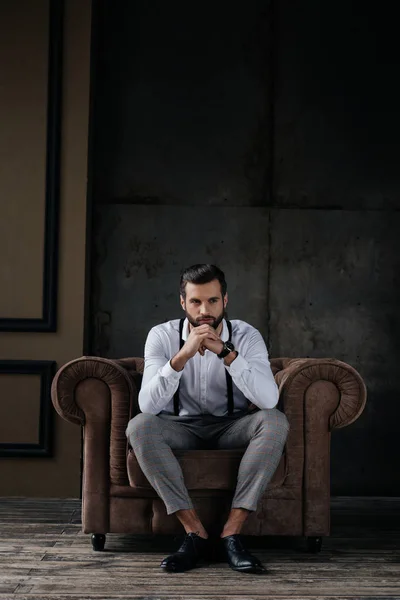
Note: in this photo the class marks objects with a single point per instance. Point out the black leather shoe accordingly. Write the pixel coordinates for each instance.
(193, 549)
(240, 559)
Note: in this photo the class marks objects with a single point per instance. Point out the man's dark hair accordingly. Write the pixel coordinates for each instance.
(202, 274)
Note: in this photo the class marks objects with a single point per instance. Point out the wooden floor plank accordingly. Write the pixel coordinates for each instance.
(44, 554)
(24, 595)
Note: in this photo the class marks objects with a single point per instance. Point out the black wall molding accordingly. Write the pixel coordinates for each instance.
(46, 369)
(48, 321)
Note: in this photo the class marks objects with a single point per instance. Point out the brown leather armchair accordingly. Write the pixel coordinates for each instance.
(317, 396)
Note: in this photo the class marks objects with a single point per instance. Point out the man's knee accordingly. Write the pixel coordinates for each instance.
(274, 421)
(141, 426)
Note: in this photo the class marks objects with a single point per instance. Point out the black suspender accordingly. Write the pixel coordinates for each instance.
(229, 383)
(181, 342)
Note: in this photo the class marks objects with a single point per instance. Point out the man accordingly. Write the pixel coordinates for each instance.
(201, 376)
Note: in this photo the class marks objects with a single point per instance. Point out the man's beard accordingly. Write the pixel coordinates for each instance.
(215, 324)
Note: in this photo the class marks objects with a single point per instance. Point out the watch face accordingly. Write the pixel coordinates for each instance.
(230, 346)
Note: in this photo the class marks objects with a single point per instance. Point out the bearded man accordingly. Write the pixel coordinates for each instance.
(203, 380)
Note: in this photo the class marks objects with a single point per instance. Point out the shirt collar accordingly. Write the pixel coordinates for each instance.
(224, 333)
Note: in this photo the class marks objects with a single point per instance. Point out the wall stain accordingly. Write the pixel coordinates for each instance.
(146, 255)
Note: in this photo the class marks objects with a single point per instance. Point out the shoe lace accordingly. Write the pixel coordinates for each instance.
(188, 542)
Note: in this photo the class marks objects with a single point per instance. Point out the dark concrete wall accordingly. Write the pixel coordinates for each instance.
(335, 261)
(264, 139)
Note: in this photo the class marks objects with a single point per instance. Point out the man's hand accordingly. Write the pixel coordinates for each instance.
(199, 338)
(212, 342)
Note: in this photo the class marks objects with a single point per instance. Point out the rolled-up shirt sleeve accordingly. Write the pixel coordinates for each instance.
(251, 373)
(160, 380)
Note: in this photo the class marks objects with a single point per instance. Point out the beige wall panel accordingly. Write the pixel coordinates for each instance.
(59, 476)
(19, 409)
(23, 102)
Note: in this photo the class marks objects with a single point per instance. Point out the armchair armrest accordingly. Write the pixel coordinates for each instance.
(116, 374)
(317, 396)
(101, 395)
(297, 375)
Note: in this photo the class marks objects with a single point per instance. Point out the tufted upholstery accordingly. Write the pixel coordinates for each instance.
(317, 396)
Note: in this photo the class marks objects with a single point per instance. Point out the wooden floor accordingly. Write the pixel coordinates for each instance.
(44, 555)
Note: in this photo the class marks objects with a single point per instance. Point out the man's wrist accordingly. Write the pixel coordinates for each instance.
(179, 361)
(229, 358)
(227, 348)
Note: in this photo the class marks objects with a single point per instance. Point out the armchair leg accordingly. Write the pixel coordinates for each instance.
(98, 541)
(314, 544)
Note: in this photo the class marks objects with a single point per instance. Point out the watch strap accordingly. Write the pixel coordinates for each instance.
(227, 349)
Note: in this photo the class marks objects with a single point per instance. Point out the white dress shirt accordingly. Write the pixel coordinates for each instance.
(203, 388)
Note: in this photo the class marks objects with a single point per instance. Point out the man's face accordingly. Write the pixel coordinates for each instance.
(204, 303)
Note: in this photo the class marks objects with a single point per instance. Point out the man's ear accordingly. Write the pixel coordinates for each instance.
(225, 299)
(182, 301)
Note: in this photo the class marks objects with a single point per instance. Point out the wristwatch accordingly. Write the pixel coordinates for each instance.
(227, 349)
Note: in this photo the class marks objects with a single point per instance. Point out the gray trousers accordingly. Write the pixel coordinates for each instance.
(154, 437)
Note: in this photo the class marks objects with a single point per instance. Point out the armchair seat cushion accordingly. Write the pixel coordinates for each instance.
(205, 470)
